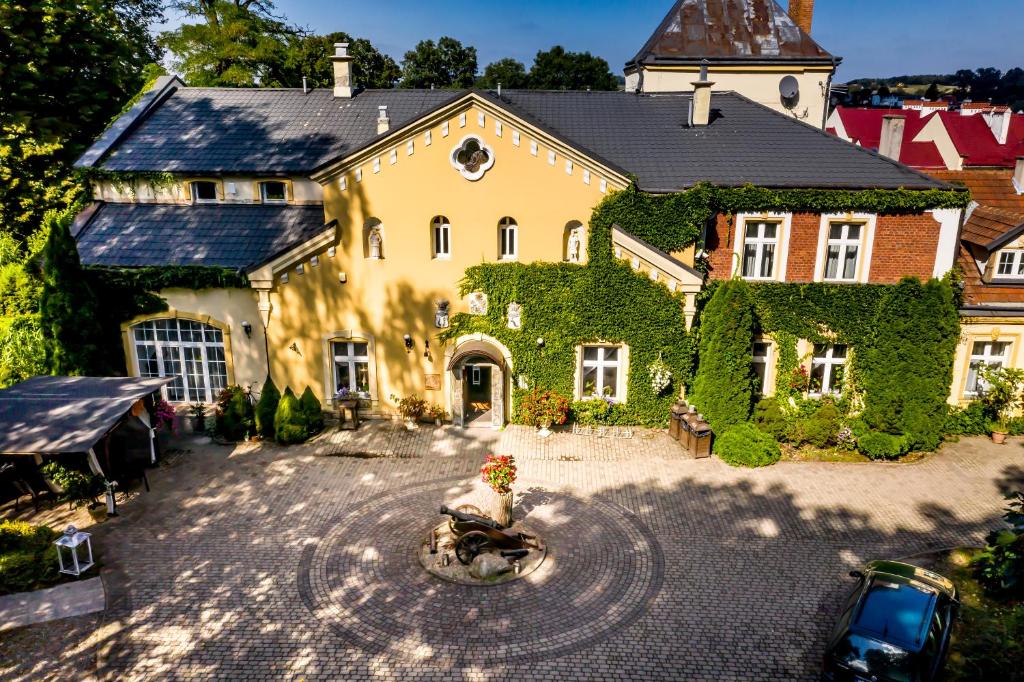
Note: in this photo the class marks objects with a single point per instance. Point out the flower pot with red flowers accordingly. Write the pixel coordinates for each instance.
(543, 408)
(499, 473)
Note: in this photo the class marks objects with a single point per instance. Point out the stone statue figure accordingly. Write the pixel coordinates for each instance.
(375, 243)
(515, 316)
(573, 248)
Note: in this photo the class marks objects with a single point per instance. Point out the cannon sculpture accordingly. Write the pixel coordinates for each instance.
(475, 534)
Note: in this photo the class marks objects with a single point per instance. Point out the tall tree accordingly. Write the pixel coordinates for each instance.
(66, 68)
(558, 69)
(932, 93)
(235, 43)
(310, 56)
(445, 64)
(508, 72)
(68, 309)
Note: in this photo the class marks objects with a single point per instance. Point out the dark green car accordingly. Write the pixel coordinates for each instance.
(894, 627)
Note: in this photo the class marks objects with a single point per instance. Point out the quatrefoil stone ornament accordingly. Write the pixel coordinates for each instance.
(472, 158)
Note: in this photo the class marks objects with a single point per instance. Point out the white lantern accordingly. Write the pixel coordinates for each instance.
(71, 540)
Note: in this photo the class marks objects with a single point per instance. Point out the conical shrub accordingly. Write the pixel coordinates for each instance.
(266, 409)
(290, 424)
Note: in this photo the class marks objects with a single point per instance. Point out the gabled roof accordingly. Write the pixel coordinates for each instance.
(989, 186)
(224, 235)
(646, 135)
(974, 140)
(864, 127)
(254, 130)
(748, 31)
(992, 228)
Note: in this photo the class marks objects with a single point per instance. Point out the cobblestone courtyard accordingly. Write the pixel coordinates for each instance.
(266, 563)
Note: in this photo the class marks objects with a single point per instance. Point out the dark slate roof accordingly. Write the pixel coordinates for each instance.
(647, 136)
(55, 415)
(225, 235)
(748, 31)
(247, 130)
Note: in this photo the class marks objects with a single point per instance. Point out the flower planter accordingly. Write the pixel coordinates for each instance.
(545, 429)
(198, 425)
(410, 424)
(998, 437)
(501, 508)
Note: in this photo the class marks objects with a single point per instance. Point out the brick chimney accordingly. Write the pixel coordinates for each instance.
(891, 141)
(1018, 175)
(700, 107)
(802, 12)
(342, 62)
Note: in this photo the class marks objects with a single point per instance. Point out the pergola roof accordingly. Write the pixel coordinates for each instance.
(48, 415)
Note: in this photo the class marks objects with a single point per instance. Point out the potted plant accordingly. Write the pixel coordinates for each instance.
(661, 375)
(499, 473)
(80, 489)
(163, 420)
(411, 408)
(438, 414)
(1000, 389)
(198, 413)
(542, 408)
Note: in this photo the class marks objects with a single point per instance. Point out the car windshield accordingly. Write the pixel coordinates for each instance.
(896, 612)
(877, 659)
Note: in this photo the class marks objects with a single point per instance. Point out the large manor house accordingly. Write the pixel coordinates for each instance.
(354, 214)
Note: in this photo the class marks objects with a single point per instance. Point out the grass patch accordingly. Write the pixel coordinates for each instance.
(988, 642)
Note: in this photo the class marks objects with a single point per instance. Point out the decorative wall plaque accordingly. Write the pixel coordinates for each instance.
(515, 316)
(472, 158)
(478, 303)
(441, 314)
(432, 382)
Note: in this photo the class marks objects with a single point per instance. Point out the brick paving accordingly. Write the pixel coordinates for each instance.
(261, 562)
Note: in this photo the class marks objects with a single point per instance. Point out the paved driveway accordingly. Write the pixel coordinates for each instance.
(270, 563)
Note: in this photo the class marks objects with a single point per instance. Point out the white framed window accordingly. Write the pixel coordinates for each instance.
(762, 355)
(203, 191)
(601, 374)
(828, 367)
(440, 237)
(273, 192)
(352, 366)
(843, 251)
(1011, 264)
(191, 352)
(984, 353)
(760, 243)
(508, 239)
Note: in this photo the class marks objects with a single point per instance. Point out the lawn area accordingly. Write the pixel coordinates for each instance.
(988, 642)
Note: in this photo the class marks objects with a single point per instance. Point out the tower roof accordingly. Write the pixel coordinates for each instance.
(746, 31)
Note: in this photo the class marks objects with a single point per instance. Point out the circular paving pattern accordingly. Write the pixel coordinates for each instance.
(363, 580)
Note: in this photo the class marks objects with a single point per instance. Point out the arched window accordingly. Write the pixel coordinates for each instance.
(440, 237)
(192, 352)
(508, 239)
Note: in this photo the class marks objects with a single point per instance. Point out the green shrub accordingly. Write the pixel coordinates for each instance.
(1000, 566)
(290, 422)
(880, 445)
(971, 420)
(908, 363)
(313, 410)
(235, 418)
(769, 417)
(723, 389)
(744, 445)
(593, 412)
(540, 407)
(266, 408)
(823, 427)
(28, 558)
(80, 488)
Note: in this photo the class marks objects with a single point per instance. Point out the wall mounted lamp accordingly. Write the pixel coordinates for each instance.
(247, 328)
(408, 343)
(426, 348)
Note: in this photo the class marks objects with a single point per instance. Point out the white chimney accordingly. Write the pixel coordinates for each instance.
(999, 121)
(700, 109)
(342, 63)
(891, 141)
(1018, 175)
(383, 122)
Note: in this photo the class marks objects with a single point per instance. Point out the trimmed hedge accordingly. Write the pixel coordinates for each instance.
(28, 557)
(313, 410)
(290, 422)
(266, 409)
(880, 445)
(745, 445)
(723, 389)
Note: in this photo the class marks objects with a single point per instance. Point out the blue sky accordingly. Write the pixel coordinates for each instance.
(874, 37)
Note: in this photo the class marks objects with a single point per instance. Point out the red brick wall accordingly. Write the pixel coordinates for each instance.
(903, 245)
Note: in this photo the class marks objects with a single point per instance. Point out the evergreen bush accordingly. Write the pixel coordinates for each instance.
(313, 410)
(881, 445)
(908, 363)
(769, 417)
(745, 445)
(290, 422)
(235, 418)
(823, 427)
(724, 386)
(28, 557)
(971, 420)
(266, 409)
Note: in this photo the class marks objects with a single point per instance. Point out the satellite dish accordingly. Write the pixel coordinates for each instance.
(789, 89)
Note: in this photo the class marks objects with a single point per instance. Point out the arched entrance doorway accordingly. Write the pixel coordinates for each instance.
(478, 374)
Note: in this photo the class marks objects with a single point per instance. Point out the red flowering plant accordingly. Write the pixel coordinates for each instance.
(541, 408)
(499, 472)
(164, 415)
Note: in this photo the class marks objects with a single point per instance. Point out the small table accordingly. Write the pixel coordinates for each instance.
(348, 409)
